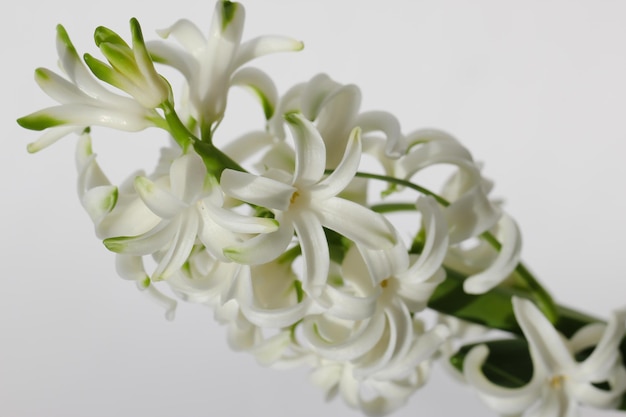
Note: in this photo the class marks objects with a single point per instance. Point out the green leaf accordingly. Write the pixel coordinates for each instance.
(337, 245)
(508, 364)
(39, 121)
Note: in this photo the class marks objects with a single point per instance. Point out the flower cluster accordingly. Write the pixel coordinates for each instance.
(291, 233)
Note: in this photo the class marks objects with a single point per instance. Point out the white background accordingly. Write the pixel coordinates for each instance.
(535, 89)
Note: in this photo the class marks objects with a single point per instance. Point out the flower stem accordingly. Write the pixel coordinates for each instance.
(215, 160)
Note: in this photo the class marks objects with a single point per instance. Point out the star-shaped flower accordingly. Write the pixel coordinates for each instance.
(559, 382)
(305, 202)
(212, 64)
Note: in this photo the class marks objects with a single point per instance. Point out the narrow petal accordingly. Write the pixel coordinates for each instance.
(180, 247)
(58, 88)
(174, 57)
(130, 267)
(384, 263)
(77, 71)
(395, 144)
(82, 115)
(144, 244)
(339, 304)
(547, 347)
(310, 151)
(248, 145)
(504, 264)
(502, 400)
(262, 248)
(330, 339)
(261, 191)
(436, 245)
(51, 135)
(187, 34)
(261, 86)
(603, 359)
(315, 254)
(99, 201)
(265, 45)
(341, 177)
(235, 222)
(187, 175)
(160, 201)
(314, 93)
(168, 303)
(268, 317)
(355, 222)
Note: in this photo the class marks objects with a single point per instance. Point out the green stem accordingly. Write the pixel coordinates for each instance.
(215, 160)
(392, 207)
(541, 296)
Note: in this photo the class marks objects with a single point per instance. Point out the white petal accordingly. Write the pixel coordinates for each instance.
(603, 358)
(130, 267)
(436, 245)
(50, 136)
(159, 200)
(187, 174)
(261, 86)
(247, 145)
(174, 57)
(99, 201)
(314, 93)
(384, 263)
(343, 175)
(504, 264)
(271, 350)
(395, 145)
(187, 34)
(234, 222)
(347, 306)
(314, 252)
(547, 347)
(502, 400)
(144, 244)
(168, 303)
(310, 151)
(58, 88)
(355, 222)
(73, 66)
(264, 45)
(331, 341)
(262, 248)
(267, 317)
(180, 247)
(257, 190)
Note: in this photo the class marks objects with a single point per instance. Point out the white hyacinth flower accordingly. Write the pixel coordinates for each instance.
(83, 101)
(305, 202)
(559, 382)
(130, 68)
(334, 108)
(212, 64)
(184, 205)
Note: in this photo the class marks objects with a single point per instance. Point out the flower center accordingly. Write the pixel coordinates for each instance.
(557, 381)
(294, 197)
(384, 283)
